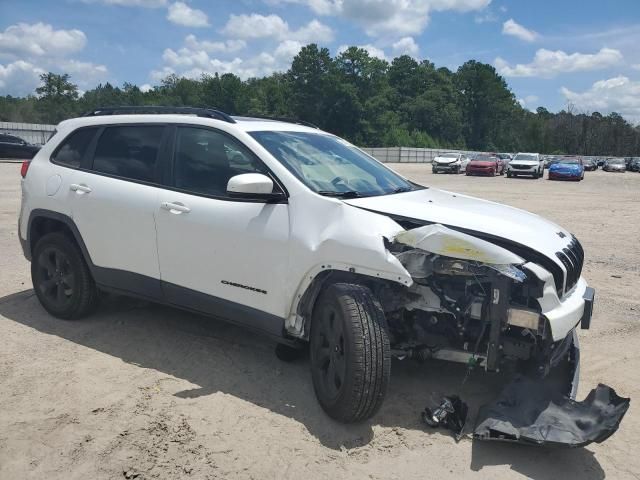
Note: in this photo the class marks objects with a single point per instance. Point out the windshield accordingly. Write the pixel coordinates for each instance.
(569, 160)
(331, 166)
(449, 155)
(525, 156)
(616, 161)
(484, 158)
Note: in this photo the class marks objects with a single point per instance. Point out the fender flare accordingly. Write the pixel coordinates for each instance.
(306, 294)
(59, 217)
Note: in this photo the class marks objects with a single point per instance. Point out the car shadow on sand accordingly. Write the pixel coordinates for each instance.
(220, 357)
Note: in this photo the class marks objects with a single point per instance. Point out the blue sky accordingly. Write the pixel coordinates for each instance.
(552, 53)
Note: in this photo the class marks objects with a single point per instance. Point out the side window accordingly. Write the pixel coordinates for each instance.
(205, 160)
(73, 148)
(129, 152)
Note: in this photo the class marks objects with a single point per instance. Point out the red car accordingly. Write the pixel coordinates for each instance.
(485, 164)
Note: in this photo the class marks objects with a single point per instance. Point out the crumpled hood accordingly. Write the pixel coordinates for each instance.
(445, 160)
(474, 215)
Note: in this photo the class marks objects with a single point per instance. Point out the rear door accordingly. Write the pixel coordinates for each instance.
(221, 255)
(114, 199)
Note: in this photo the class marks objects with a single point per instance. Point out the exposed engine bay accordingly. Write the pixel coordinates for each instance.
(478, 308)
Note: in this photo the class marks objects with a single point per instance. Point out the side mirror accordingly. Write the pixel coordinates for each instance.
(253, 186)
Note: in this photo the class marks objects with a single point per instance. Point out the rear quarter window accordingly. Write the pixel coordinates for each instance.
(73, 148)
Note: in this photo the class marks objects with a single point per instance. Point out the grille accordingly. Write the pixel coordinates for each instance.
(521, 167)
(572, 257)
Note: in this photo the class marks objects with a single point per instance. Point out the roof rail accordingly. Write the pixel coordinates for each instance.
(147, 109)
(285, 119)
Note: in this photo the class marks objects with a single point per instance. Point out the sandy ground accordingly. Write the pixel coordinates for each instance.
(142, 391)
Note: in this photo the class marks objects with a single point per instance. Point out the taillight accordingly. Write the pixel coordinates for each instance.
(25, 168)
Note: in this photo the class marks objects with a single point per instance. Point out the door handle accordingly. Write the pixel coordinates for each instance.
(79, 188)
(175, 208)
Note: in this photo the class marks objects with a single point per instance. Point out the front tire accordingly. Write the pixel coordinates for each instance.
(350, 352)
(61, 278)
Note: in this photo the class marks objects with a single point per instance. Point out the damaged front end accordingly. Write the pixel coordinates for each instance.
(471, 301)
(476, 303)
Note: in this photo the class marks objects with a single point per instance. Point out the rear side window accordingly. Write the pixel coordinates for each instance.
(129, 151)
(73, 148)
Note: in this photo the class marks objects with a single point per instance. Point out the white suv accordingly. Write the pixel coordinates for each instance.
(530, 164)
(298, 234)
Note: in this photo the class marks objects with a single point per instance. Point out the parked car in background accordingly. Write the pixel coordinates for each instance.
(530, 164)
(448, 163)
(567, 168)
(615, 165)
(15, 147)
(546, 159)
(465, 161)
(627, 162)
(505, 157)
(550, 160)
(485, 164)
(589, 164)
(600, 162)
(635, 164)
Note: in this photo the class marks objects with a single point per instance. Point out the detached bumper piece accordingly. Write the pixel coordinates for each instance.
(532, 412)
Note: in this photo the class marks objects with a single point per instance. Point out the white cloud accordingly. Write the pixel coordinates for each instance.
(529, 101)
(372, 50)
(193, 43)
(40, 39)
(618, 94)
(194, 59)
(272, 26)
(146, 88)
(510, 27)
(547, 63)
(395, 18)
(182, 14)
(487, 17)
(287, 50)
(33, 49)
(405, 46)
(131, 3)
(19, 78)
(321, 7)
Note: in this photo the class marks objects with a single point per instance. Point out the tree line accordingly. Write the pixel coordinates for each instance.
(369, 101)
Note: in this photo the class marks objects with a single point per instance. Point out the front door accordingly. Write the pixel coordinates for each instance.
(217, 254)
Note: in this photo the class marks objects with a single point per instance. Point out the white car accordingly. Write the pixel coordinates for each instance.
(530, 164)
(307, 239)
(450, 162)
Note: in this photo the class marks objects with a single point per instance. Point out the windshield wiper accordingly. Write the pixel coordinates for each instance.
(402, 189)
(346, 194)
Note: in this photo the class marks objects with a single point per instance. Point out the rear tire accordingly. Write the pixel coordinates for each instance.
(350, 352)
(61, 278)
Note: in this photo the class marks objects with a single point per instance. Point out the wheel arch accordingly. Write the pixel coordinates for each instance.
(297, 324)
(43, 221)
